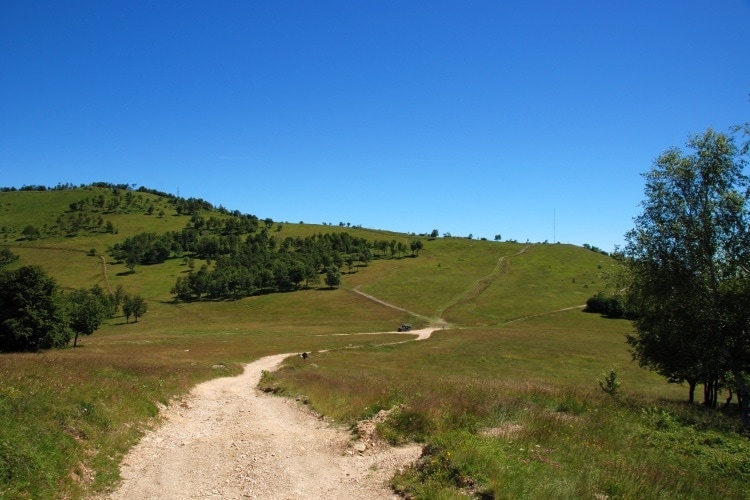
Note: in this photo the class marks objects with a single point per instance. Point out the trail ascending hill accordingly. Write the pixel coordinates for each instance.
(388, 304)
(479, 286)
(226, 439)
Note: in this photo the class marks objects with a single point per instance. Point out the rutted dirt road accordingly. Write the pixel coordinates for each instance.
(226, 439)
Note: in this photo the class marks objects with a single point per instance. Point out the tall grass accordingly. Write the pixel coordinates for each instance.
(517, 413)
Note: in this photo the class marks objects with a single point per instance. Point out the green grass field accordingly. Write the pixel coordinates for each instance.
(505, 398)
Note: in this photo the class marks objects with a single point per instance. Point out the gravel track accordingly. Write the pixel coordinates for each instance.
(227, 439)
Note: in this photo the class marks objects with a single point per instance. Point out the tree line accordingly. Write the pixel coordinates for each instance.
(261, 264)
(245, 265)
(36, 314)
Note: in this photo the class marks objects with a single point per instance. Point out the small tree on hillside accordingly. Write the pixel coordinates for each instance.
(31, 233)
(134, 306)
(416, 246)
(140, 307)
(87, 310)
(6, 257)
(333, 277)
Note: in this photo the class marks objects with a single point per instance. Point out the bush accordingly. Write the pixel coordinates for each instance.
(611, 306)
(611, 383)
(6, 257)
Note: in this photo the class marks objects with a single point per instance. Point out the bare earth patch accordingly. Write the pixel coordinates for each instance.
(227, 439)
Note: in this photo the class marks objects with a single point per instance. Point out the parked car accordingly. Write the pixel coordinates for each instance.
(404, 328)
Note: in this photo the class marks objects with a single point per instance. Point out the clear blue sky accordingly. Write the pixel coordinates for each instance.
(529, 119)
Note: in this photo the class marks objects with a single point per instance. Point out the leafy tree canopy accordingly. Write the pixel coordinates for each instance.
(688, 265)
(32, 311)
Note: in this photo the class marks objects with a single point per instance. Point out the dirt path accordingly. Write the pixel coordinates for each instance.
(226, 439)
(480, 285)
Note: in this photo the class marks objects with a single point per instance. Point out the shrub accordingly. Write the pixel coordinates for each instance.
(611, 383)
(611, 306)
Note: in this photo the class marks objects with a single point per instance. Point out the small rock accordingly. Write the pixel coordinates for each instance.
(360, 446)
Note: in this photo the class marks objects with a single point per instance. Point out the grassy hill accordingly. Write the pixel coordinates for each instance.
(505, 397)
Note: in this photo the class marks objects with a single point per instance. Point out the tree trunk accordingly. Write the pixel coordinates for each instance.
(691, 391)
(711, 391)
(729, 400)
(742, 396)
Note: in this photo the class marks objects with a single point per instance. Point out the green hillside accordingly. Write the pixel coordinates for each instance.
(516, 353)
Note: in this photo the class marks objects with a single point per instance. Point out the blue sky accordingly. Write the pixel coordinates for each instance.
(529, 119)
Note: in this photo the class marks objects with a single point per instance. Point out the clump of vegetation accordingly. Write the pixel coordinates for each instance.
(609, 305)
(610, 383)
(6, 257)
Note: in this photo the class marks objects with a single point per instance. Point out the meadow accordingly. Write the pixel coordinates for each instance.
(505, 398)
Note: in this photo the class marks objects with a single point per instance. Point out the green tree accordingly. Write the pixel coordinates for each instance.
(131, 260)
(333, 277)
(118, 298)
(127, 307)
(181, 290)
(688, 264)
(87, 309)
(140, 307)
(32, 311)
(365, 256)
(401, 248)
(134, 305)
(31, 233)
(393, 246)
(297, 273)
(416, 246)
(6, 257)
(311, 276)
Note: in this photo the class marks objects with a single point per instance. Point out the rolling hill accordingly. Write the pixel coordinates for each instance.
(516, 359)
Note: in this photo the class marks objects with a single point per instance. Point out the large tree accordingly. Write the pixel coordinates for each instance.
(32, 312)
(688, 264)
